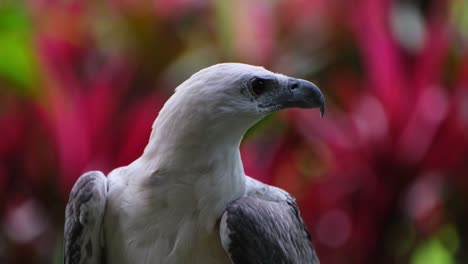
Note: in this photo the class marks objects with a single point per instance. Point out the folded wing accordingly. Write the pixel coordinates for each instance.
(83, 219)
(257, 231)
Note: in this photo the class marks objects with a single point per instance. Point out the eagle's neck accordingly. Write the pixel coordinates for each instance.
(198, 155)
(189, 135)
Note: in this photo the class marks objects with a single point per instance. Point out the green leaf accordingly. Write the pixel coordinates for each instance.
(18, 65)
(432, 251)
(225, 24)
(267, 123)
(459, 16)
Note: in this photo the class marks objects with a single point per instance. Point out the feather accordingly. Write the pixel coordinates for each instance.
(165, 207)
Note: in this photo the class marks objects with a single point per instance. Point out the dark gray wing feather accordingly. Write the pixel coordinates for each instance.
(83, 218)
(256, 231)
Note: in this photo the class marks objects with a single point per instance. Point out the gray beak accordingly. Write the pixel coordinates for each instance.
(305, 94)
(289, 93)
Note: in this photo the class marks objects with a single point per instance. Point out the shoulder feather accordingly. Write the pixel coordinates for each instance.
(254, 230)
(83, 218)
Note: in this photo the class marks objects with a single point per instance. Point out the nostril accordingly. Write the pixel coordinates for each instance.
(294, 86)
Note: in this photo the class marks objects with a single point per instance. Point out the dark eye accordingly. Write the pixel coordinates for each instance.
(258, 86)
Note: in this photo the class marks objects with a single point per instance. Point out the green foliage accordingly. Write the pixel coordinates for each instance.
(17, 60)
(439, 249)
(459, 10)
(269, 123)
(432, 252)
(224, 22)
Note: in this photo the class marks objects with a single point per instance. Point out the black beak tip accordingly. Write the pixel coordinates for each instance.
(319, 99)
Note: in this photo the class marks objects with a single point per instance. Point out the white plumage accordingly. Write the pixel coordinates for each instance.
(166, 206)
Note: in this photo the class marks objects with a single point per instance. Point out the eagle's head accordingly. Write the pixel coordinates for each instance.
(219, 103)
(246, 90)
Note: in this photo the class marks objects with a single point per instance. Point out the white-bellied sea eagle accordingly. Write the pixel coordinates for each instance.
(187, 199)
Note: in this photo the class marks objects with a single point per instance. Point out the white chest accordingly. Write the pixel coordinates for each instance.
(173, 224)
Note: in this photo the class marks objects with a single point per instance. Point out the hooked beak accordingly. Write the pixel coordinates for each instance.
(293, 93)
(306, 95)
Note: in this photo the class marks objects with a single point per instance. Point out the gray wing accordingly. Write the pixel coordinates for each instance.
(256, 231)
(83, 218)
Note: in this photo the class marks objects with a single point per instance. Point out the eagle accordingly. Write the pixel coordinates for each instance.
(186, 199)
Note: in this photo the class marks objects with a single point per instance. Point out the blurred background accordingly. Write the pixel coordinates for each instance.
(382, 178)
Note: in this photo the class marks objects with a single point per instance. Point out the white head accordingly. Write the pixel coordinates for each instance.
(219, 103)
(242, 89)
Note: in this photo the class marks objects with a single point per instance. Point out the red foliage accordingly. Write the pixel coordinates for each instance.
(386, 166)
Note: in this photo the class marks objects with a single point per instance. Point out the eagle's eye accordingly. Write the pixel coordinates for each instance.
(259, 86)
